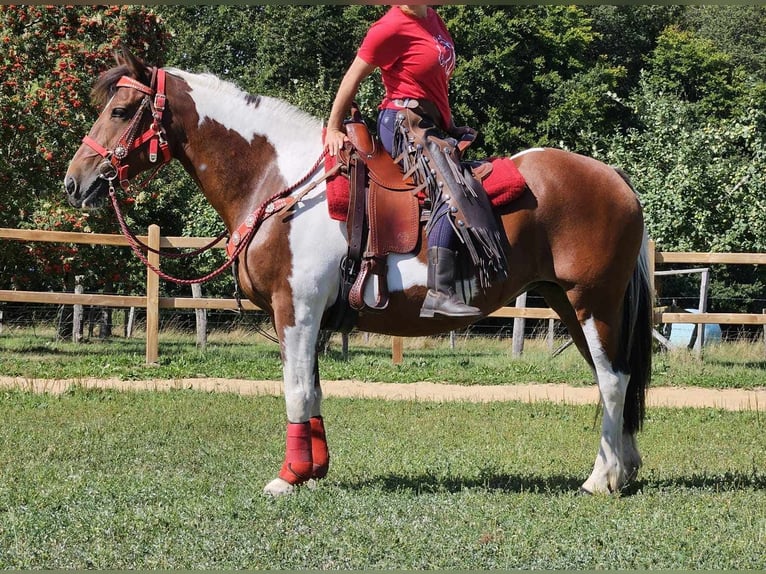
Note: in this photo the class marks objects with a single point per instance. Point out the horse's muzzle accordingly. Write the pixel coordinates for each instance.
(80, 198)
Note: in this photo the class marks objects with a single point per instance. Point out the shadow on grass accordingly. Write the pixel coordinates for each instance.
(41, 350)
(726, 482)
(556, 484)
(746, 364)
(487, 481)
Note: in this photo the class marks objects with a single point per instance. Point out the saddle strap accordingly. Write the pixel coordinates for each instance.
(356, 208)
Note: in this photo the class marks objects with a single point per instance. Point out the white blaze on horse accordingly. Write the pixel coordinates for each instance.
(576, 234)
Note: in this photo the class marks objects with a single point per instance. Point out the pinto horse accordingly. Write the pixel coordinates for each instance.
(576, 235)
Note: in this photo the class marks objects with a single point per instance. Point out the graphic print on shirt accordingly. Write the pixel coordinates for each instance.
(446, 54)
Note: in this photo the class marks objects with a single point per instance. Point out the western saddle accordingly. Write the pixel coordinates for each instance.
(384, 217)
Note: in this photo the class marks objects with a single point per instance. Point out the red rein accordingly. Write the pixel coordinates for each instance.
(306, 454)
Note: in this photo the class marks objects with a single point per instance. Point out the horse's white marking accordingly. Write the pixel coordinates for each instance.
(406, 271)
(609, 471)
(316, 241)
(202, 167)
(279, 122)
(317, 245)
(526, 151)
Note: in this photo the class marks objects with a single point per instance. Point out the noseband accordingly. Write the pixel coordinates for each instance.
(154, 101)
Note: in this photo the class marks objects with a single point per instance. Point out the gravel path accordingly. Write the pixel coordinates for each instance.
(728, 399)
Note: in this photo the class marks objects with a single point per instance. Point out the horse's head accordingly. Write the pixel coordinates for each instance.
(127, 138)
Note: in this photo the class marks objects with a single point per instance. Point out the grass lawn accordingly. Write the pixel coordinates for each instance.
(110, 480)
(475, 360)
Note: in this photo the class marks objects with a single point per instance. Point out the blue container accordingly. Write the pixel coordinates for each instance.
(683, 334)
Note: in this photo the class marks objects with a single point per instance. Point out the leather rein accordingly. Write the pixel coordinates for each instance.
(114, 167)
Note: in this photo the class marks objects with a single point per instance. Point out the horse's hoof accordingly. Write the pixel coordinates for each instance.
(278, 487)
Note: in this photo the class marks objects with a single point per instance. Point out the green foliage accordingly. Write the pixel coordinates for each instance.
(695, 70)
(671, 93)
(510, 62)
(698, 160)
(738, 30)
(625, 34)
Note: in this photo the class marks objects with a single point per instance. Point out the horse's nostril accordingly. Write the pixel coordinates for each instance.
(71, 186)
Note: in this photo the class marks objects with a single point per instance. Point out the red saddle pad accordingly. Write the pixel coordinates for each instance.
(504, 184)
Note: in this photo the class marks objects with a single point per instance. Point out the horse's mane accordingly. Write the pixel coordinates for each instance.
(228, 90)
(104, 87)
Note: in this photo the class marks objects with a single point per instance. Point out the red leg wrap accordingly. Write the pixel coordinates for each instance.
(319, 451)
(298, 463)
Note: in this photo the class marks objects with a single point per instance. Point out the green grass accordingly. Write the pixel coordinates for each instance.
(475, 360)
(110, 480)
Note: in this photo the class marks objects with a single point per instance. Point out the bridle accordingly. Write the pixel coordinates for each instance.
(114, 166)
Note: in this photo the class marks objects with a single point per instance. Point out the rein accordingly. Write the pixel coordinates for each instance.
(114, 168)
(239, 240)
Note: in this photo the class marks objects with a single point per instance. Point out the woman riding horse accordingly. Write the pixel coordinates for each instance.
(416, 55)
(576, 234)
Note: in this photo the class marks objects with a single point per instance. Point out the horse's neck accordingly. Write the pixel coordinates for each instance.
(243, 149)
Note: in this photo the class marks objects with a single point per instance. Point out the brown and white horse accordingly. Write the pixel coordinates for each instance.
(576, 235)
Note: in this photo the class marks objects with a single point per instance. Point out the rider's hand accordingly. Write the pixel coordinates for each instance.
(463, 132)
(334, 140)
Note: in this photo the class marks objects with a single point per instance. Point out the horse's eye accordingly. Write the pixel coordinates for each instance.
(119, 113)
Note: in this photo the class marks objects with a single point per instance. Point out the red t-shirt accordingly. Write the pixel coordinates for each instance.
(416, 58)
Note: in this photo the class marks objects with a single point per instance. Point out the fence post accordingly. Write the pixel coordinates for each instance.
(551, 334)
(397, 350)
(700, 341)
(153, 298)
(518, 326)
(651, 261)
(201, 318)
(77, 311)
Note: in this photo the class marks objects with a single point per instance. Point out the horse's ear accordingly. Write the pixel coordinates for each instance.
(138, 69)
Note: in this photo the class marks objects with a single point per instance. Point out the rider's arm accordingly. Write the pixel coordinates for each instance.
(357, 72)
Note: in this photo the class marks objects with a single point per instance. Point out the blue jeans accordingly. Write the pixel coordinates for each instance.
(442, 234)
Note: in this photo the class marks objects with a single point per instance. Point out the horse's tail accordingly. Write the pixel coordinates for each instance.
(636, 340)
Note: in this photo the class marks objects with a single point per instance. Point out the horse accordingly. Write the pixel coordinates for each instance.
(576, 235)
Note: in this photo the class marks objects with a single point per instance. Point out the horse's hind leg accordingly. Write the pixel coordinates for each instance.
(596, 339)
(609, 470)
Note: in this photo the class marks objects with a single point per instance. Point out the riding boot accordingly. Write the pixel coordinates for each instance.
(441, 297)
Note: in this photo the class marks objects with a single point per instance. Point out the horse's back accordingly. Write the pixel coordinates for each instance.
(577, 215)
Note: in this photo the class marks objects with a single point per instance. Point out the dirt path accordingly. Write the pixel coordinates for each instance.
(728, 399)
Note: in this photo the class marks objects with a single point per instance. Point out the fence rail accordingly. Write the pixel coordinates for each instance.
(152, 302)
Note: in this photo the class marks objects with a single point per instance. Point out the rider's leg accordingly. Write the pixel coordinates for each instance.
(441, 298)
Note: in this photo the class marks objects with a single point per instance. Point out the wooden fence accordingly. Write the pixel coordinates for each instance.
(152, 301)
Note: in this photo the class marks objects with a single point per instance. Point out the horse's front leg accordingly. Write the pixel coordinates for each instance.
(306, 452)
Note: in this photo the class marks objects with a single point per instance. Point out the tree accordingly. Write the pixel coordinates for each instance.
(51, 55)
(738, 30)
(511, 61)
(700, 166)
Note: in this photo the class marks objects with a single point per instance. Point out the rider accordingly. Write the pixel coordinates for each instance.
(416, 55)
